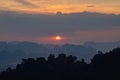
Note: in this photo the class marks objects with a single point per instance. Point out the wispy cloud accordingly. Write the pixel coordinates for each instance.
(26, 3)
(91, 5)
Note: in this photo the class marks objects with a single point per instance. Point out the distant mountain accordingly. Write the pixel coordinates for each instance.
(12, 52)
(31, 49)
(76, 50)
(102, 46)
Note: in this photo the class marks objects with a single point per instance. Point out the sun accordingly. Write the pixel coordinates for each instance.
(58, 38)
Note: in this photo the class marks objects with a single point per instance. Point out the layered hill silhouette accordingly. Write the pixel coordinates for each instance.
(102, 46)
(103, 66)
(11, 53)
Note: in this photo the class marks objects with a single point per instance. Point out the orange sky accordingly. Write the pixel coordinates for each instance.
(43, 29)
(76, 38)
(65, 6)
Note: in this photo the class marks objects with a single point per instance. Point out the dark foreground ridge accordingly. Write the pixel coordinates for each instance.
(102, 67)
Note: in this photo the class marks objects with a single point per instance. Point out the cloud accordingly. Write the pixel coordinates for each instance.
(37, 25)
(91, 5)
(26, 3)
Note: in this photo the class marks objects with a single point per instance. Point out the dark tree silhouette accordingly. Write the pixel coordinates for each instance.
(102, 67)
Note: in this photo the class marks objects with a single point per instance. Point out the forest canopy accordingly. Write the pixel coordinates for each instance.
(103, 66)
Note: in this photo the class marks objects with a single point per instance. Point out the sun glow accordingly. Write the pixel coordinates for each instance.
(58, 38)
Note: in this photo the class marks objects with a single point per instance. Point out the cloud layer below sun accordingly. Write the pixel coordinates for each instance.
(74, 28)
(65, 6)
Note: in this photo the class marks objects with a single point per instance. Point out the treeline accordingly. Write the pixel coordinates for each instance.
(102, 67)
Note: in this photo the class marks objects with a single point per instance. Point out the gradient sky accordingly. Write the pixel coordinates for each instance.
(21, 20)
(65, 6)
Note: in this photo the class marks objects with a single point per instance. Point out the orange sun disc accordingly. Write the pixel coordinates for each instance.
(58, 38)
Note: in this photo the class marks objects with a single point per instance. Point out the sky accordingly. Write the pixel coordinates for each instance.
(65, 6)
(78, 21)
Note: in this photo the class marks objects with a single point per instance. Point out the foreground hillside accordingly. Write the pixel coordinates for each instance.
(102, 67)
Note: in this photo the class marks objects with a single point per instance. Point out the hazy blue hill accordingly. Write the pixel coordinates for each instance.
(76, 50)
(34, 48)
(27, 47)
(10, 58)
(103, 46)
(13, 52)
